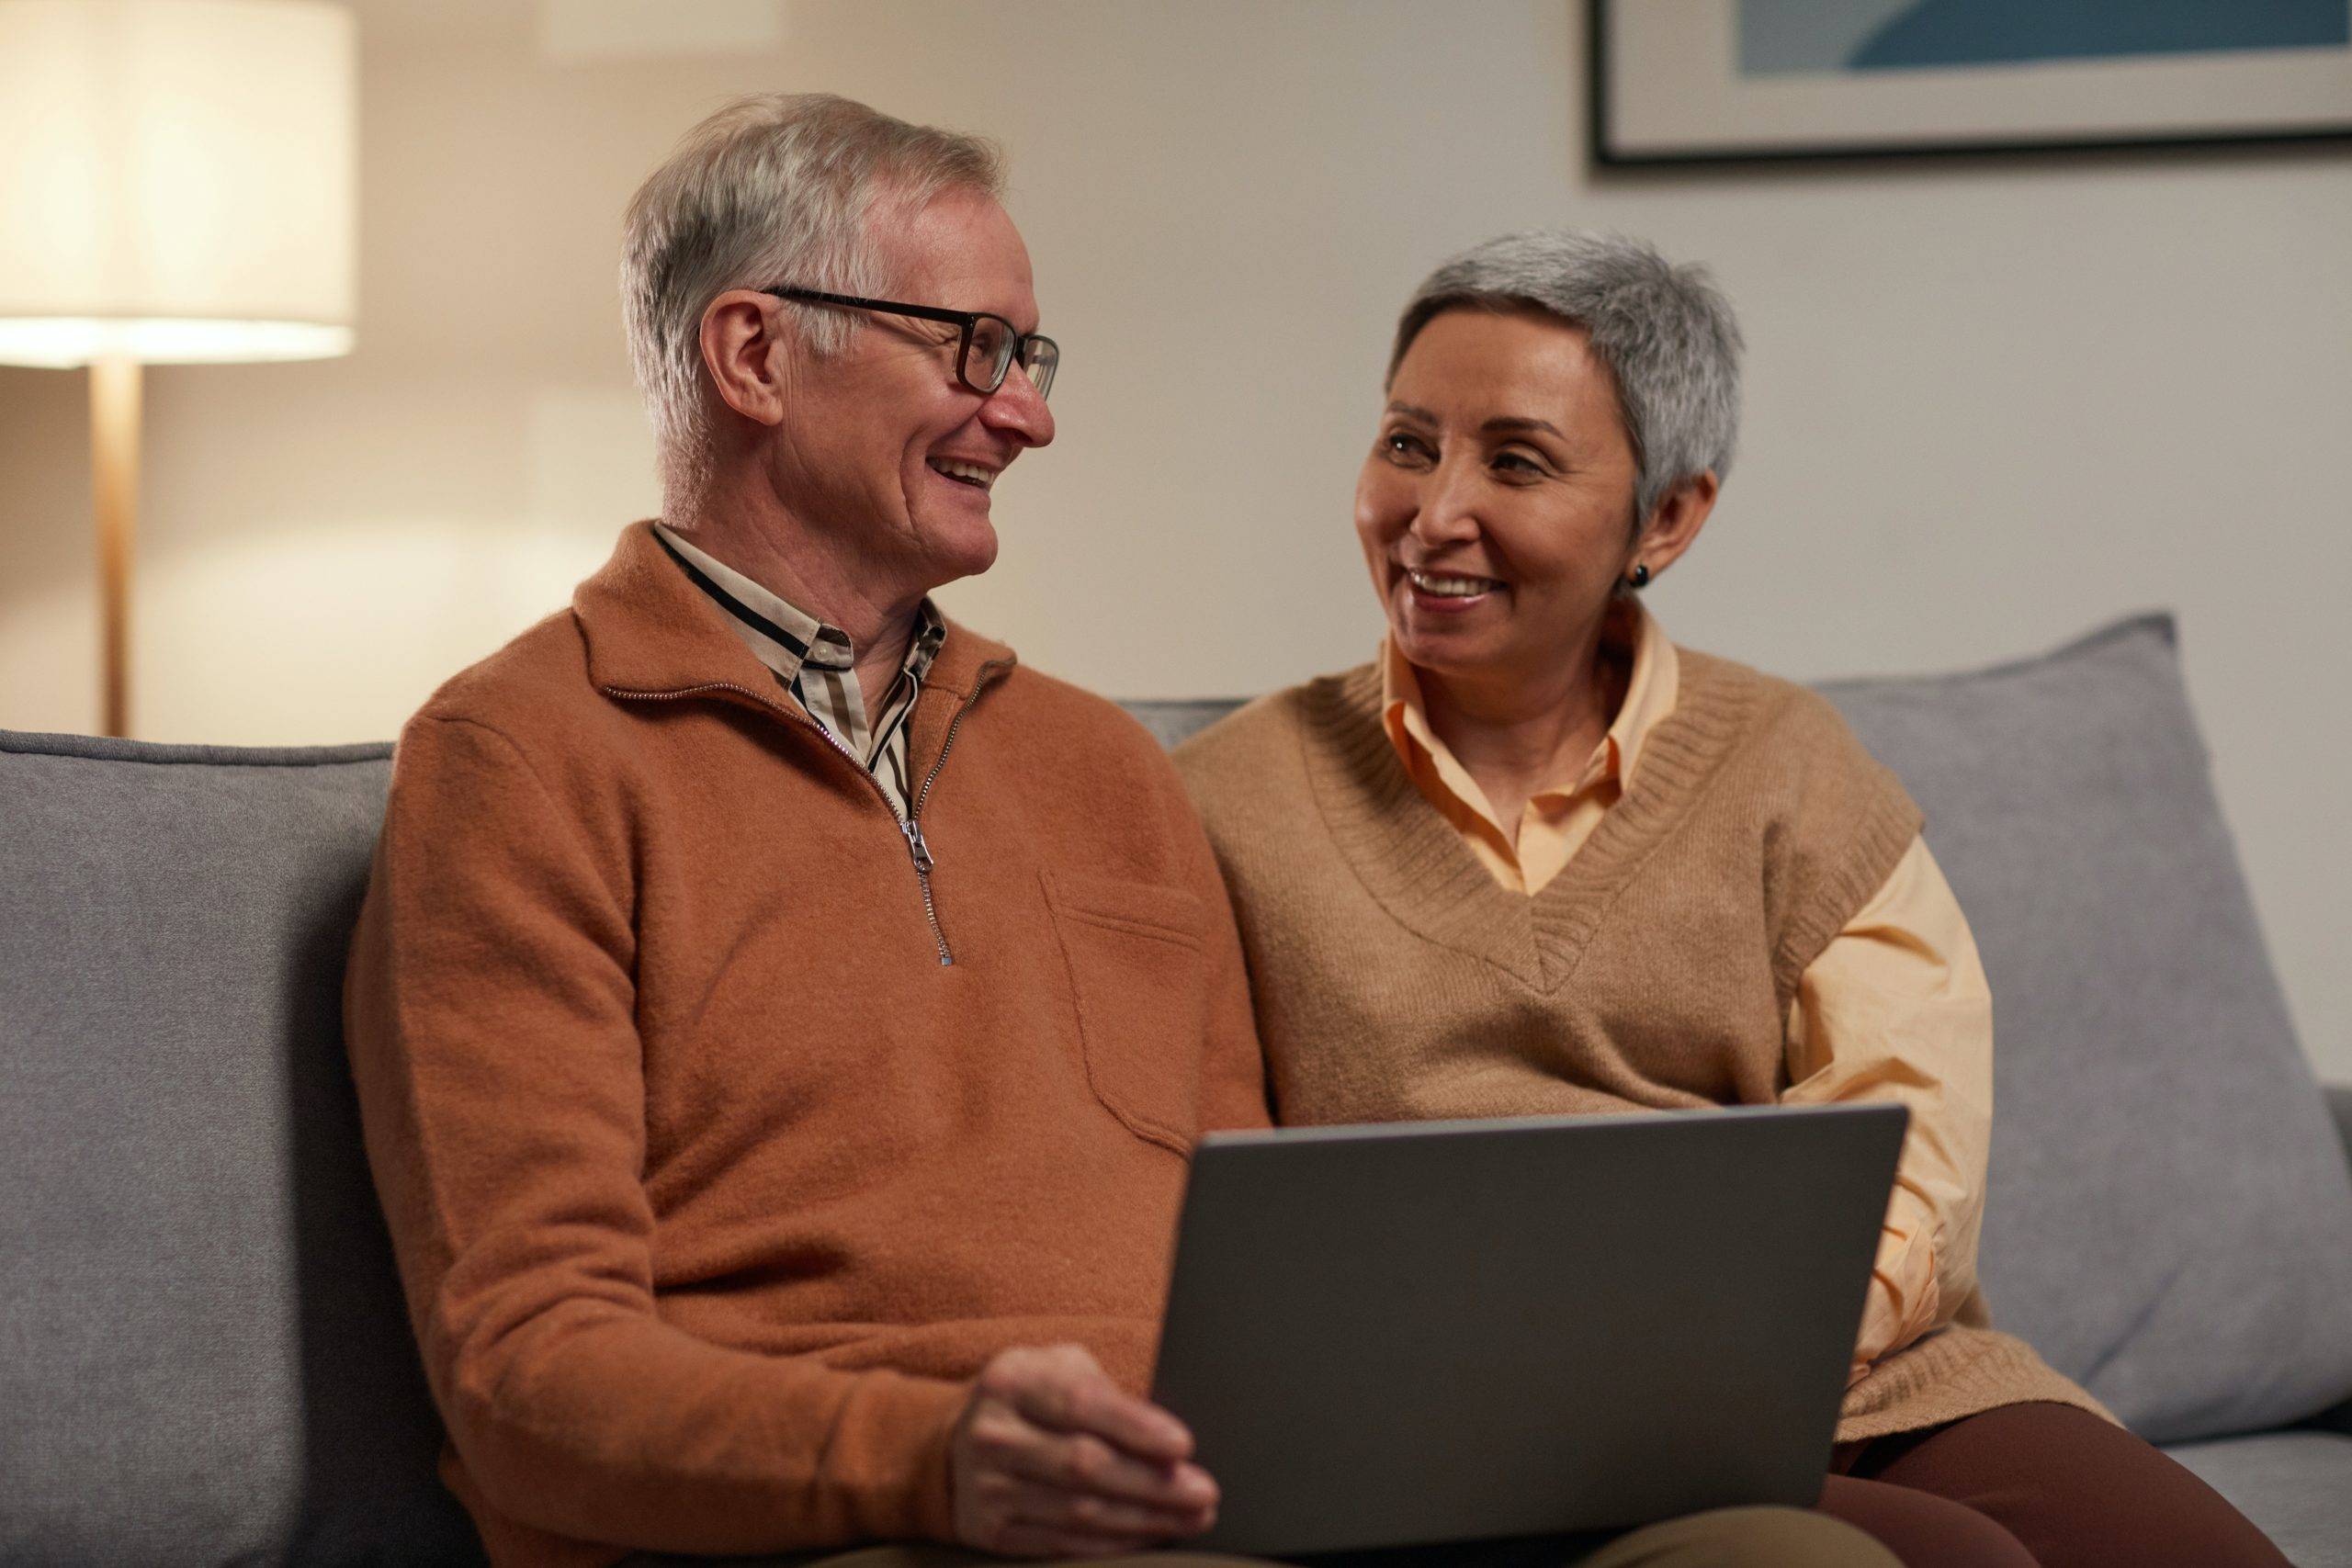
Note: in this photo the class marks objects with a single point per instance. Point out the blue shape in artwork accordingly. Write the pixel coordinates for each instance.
(1780, 37)
(1989, 32)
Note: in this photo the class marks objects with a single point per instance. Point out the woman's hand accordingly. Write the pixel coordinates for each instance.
(1052, 1459)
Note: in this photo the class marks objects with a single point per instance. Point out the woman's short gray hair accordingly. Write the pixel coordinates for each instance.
(1666, 332)
(772, 189)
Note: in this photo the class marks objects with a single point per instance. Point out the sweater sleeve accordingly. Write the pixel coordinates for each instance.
(1896, 1009)
(490, 1010)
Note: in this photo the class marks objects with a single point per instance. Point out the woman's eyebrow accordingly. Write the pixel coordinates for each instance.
(1513, 423)
(1501, 423)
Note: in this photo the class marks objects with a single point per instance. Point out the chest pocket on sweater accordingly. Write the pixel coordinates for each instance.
(1138, 974)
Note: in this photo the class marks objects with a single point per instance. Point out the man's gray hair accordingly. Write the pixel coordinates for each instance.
(1666, 332)
(775, 189)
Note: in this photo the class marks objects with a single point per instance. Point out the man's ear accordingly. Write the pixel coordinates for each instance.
(744, 349)
(1674, 525)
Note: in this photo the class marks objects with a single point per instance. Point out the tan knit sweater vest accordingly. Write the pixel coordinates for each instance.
(1394, 979)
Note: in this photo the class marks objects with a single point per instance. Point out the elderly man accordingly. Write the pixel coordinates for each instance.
(781, 1021)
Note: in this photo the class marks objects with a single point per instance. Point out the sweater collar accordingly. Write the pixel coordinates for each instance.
(783, 635)
(650, 632)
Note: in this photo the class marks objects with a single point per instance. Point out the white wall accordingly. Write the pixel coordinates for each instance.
(1991, 404)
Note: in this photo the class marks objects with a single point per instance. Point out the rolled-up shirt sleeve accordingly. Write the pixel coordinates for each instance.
(1896, 1009)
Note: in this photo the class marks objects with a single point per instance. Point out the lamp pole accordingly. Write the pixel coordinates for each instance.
(179, 179)
(114, 485)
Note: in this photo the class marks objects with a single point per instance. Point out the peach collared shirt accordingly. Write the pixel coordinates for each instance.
(1896, 1009)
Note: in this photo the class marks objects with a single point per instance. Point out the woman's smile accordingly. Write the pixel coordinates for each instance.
(1448, 593)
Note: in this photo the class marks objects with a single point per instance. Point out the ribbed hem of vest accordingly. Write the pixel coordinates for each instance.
(1950, 1376)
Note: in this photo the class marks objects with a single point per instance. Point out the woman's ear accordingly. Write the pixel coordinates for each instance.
(1674, 522)
(744, 349)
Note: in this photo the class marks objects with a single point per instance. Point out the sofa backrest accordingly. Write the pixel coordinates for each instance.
(204, 1355)
(203, 1351)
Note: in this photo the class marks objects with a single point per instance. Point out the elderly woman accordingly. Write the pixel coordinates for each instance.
(1535, 858)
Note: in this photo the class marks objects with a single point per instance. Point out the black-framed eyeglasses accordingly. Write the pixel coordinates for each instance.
(987, 349)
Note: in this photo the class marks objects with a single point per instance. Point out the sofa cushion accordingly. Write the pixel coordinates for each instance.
(2169, 1216)
(2296, 1486)
(204, 1357)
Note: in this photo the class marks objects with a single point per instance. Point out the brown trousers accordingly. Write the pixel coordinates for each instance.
(2024, 1487)
(2036, 1486)
(1723, 1538)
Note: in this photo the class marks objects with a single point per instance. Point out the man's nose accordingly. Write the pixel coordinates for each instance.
(1016, 410)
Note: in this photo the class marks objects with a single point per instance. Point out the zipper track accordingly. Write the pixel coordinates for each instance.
(911, 825)
(913, 822)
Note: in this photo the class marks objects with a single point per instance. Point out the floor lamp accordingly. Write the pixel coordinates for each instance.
(177, 183)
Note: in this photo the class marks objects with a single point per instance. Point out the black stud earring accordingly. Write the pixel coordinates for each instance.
(1641, 578)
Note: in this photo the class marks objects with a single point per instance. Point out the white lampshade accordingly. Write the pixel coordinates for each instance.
(176, 180)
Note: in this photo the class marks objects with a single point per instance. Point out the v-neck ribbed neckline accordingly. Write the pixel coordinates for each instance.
(1415, 866)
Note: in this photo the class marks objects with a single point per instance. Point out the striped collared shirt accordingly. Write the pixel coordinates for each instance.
(817, 665)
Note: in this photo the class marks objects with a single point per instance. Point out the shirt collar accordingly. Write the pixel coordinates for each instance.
(1628, 630)
(647, 630)
(784, 636)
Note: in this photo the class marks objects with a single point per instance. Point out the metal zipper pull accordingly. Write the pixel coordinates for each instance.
(915, 844)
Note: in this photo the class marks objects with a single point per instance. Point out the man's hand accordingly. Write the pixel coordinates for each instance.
(1051, 1459)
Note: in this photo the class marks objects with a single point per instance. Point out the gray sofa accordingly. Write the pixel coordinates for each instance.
(203, 1353)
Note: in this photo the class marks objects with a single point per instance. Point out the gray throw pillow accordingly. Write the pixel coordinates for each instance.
(2169, 1218)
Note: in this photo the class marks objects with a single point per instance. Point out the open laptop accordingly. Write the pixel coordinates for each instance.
(1427, 1332)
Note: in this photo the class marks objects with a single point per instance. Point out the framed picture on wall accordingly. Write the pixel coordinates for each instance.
(1704, 80)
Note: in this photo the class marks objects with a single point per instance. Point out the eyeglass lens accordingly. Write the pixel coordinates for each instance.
(989, 357)
(1045, 355)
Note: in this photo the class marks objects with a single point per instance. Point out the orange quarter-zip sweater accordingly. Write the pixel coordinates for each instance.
(723, 1135)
